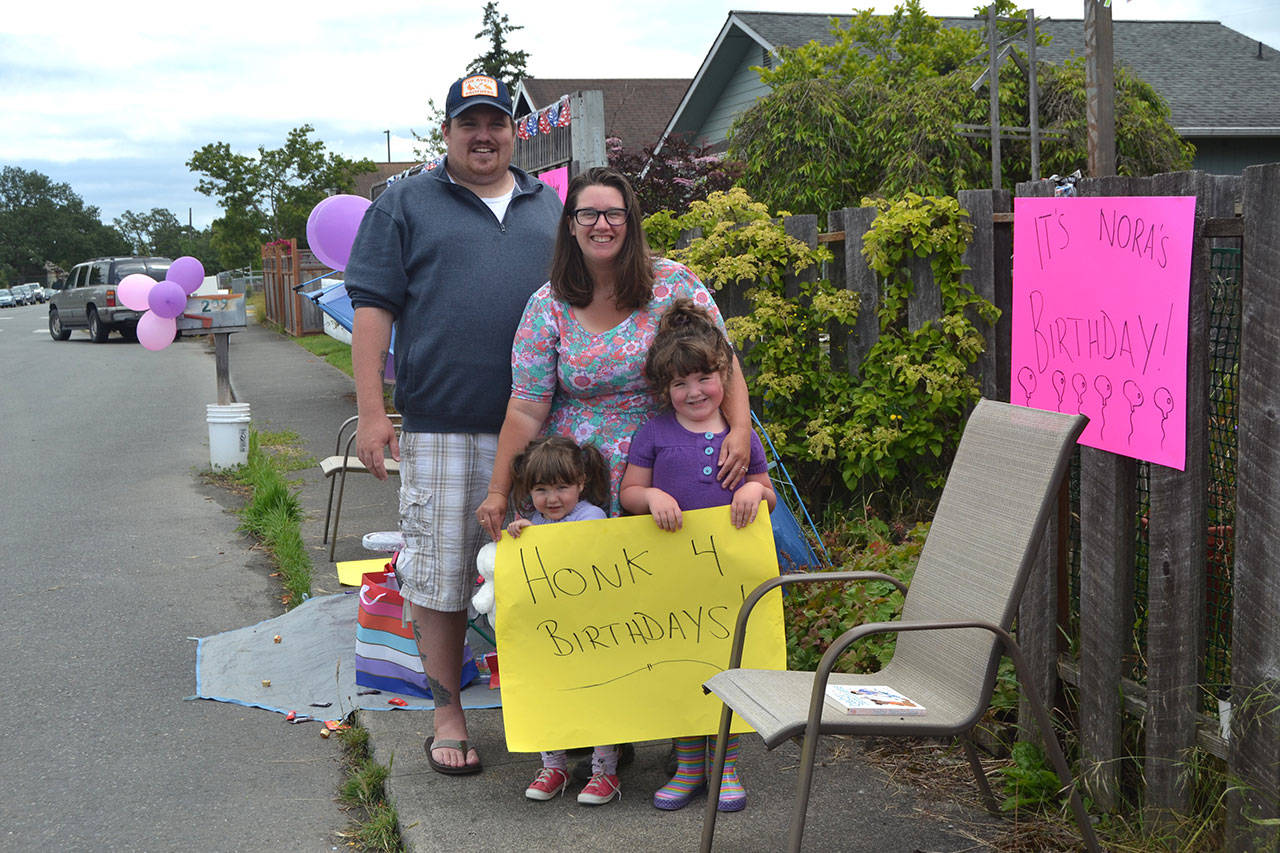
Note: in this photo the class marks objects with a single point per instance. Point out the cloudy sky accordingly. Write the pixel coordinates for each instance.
(113, 98)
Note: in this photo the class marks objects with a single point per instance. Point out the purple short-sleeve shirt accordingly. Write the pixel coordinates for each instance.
(684, 463)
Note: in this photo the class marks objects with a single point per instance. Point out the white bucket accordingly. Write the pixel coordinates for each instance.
(228, 435)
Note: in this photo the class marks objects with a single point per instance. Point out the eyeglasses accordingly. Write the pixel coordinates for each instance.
(587, 216)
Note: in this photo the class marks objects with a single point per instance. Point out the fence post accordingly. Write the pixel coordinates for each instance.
(804, 228)
(1254, 756)
(1176, 532)
(859, 278)
(981, 276)
(1038, 609)
(1108, 483)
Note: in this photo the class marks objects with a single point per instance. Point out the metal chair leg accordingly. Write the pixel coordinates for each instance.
(979, 775)
(804, 783)
(337, 511)
(328, 509)
(715, 775)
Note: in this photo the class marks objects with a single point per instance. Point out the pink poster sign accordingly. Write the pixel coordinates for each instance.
(557, 179)
(1100, 294)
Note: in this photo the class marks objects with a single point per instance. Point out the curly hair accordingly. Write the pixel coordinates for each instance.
(570, 279)
(554, 459)
(687, 341)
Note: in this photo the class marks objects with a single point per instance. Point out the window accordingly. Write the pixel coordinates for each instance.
(97, 274)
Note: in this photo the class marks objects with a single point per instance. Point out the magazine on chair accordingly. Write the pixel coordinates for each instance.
(871, 699)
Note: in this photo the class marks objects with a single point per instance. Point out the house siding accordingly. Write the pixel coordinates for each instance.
(743, 89)
(1226, 155)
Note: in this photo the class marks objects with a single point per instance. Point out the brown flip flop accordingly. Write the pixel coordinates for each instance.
(446, 769)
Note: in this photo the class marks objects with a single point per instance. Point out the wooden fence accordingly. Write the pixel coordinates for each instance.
(284, 267)
(1239, 211)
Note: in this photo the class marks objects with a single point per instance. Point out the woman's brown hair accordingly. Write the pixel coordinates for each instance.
(687, 341)
(570, 279)
(554, 459)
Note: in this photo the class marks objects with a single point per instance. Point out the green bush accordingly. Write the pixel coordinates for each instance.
(816, 614)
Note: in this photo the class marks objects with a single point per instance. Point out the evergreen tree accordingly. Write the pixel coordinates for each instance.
(499, 61)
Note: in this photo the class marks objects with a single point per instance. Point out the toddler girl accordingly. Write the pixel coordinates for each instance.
(672, 468)
(564, 482)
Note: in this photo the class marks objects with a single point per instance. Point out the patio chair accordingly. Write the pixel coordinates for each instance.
(955, 617)
(335, 468)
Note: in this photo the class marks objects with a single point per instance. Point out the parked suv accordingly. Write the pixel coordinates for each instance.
(87, 299)
(22, 293)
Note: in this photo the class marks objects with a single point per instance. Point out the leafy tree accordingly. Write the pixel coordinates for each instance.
(46, 221)
(675, 177)
(269, 196)
(433, 140)
(160, 233)
(499, 61)
(875, 114)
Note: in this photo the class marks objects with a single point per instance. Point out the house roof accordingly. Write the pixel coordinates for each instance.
(1216, 81)
(368, 180)
(635, 110)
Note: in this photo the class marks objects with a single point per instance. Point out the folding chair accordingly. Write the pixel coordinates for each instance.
(955, 618)
(336, 467)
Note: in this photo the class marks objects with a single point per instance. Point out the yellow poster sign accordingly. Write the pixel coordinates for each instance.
(607, 629)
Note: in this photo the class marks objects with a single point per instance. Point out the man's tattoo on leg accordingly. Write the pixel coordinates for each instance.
(441, 697)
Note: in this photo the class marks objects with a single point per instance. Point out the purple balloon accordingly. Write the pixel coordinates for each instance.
(156, 332)
(332, 226)
(167, 299)
(133, 289)
(187, 273)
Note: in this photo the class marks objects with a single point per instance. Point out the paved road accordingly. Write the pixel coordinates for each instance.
(113, 554)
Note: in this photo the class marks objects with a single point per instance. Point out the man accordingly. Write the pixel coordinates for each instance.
(451, 256)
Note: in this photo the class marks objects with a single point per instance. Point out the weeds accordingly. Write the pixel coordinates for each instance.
(375, 825)
(273, 513)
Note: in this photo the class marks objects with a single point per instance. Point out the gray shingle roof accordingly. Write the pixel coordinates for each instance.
(635, 110)
(1210, 75)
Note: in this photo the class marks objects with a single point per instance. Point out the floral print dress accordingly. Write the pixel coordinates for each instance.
(595, 382)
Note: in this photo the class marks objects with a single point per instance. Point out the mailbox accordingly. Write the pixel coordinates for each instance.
(213, 312)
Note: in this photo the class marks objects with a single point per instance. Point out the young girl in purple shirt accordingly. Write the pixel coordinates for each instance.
(672, 468)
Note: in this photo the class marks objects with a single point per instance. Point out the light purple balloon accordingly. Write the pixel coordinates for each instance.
(133, 289)
(156, 332)
(332, 226)
(187, 272)
(167, 299)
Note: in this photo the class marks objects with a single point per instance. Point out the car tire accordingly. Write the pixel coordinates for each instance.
(97, 331)
(56, 330)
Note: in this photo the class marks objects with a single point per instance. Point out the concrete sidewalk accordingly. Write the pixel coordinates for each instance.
(853, 807)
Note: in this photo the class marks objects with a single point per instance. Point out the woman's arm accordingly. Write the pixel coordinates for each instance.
(735, 451)
(521, 425)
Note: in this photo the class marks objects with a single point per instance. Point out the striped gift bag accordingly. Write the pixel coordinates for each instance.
(386, 652)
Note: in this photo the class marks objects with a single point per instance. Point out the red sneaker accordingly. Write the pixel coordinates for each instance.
(601, 788)
(549, 782)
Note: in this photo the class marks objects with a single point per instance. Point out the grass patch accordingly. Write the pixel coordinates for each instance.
(273, 513)
(374, 824)
(333, 351)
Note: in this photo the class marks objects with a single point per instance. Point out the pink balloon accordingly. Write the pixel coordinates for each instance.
(332, 226)
(187, 272)
(133, 289)
(167, 299)
(156, 332)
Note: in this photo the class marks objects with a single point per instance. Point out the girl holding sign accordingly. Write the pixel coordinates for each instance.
(671, 469)
(564, 482)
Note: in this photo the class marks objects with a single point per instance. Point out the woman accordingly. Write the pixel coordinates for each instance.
(577, 362)
(579, 352)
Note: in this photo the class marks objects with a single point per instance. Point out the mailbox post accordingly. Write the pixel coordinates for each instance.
(217, 314)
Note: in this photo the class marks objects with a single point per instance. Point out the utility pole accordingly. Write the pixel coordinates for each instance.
(388, 133)
(1100, 88)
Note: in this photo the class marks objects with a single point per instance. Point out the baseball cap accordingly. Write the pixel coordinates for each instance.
(477, 90)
